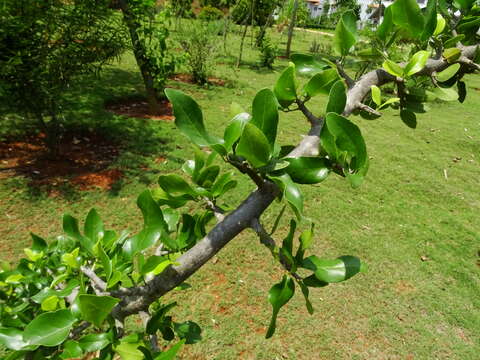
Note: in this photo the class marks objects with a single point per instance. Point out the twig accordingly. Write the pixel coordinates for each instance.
(76, 332)
(350, 82)
(217, 211)
(99, 286)
(145, 316)
(314, 121)
(368, 109)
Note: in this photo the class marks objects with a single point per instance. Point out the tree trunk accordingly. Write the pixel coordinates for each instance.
(139, 51)
(290, 28)
(241, 45)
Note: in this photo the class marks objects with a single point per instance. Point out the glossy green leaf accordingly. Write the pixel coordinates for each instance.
(337, 98)
(278, 296)
(223, 184)
(12, 339)
(321, 83)
(287, 242)
(440, 26)
(393, 68)
(386, 27)
(291, 192)
(71, 350)
(265, 114)
(312, 281)
(416, 63)
(307, 170)
(94, 342)
(235, 129)
(452, 42)
(188, 117)
(431, 20)
(452, 54)
(388, 102)
(93, 227)
(50, 303)
(407, 15)
(129, 351)
(171, 353)
(104, 260)
(47, 292)
(188, 330)
(254, 146)
(409, 118)
(333, 271)
(307, 65)
(445, 94)
(376, 95)
(95, 309)
(306, 239)
(469, 25)
(155, 265)
(49, 329)
(207, 176)
(285, 88)
(448, 73)
(305, 293)
(38, 244)
(175, 185)
(345, 33)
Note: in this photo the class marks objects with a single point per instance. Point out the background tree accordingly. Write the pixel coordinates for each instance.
(44, 46)
(84, 284)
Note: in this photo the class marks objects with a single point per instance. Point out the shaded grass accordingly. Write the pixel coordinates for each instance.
(406, 211)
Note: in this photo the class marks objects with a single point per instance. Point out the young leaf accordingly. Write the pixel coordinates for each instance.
(337, 98)
(305, 293)
(254, 146)
(265, 114)
(234, 130)
(38, 244)
(392, 68)
(286, 88)
(452, 54)
(71, 350)
(376, 95)
(333, 271)
(291, 192)
(386, 27)
(448, 73)
(93, 227)
(416, 63)
(171, 353)
(287, 242)
(49, 329)
(278, 296)
(175, 185)
(345, 33)
(95, 309)
(431, 20)
(440, 26)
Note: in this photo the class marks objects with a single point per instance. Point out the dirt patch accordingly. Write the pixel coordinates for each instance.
(138, 108)
(83, 161)
(187, 78)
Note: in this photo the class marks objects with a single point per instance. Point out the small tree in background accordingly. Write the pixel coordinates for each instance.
(44, 46)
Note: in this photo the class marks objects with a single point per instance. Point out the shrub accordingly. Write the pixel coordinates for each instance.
(268, 53)
(210, 13)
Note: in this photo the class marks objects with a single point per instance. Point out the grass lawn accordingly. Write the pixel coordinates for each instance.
(415, 222)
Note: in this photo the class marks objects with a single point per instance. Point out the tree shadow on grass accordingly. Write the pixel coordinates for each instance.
(98, 149)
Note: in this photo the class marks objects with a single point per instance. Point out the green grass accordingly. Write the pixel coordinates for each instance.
(402, 308)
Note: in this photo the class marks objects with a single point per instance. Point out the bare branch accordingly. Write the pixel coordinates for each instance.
(368, 109)
(99, 286)
(217, 211)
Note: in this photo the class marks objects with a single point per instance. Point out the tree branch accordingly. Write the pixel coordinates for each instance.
(99, 286)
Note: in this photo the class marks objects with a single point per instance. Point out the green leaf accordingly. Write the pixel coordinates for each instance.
(416, 63)
(448, 73)
(376, 95)
(440, 26)
(12, 339)
(451, 42)
(265, 114)
(105, 260)
(307, 65)
(307, 170)
(407, 15)
(71, 350)
(431, 20)
(94, 342)
(306, 239)
(392, 68)
(305, 293)
(345, 33)
(286, 88)
(129, 351)
(321, 83)
(344, 143)
(49, 329)
(175, 185)
(386, 27)
(93, 227)
(171, 353)
(452, 54)
(188, 117)
(409, 118)
(312, 281)
(254, 146)
(47, 292)
(464, 4)
(333, 271)
(388, 102)
(155, 265)
(291, 192)
(287, 242)
(337, 98)
(38, 244)
(95, 309)
(278, 296)
(188, 330)
(50, 303)
(235, 129)
(445, 94)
